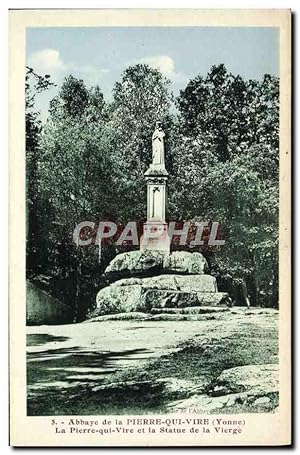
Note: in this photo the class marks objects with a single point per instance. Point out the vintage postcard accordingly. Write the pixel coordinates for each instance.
(150, 205)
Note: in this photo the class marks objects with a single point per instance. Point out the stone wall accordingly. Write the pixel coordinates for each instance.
(41, 308)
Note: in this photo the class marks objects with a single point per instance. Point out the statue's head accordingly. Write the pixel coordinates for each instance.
(158, 125)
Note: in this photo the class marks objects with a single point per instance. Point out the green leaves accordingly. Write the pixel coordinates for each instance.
(230, 111)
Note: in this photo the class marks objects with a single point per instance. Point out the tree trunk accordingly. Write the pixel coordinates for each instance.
(240, 293)
(77, 293)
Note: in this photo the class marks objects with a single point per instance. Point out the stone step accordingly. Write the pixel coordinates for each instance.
(190, 310)
(163, 315)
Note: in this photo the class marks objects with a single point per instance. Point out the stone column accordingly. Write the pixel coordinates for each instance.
(155, 235)
(156, 195)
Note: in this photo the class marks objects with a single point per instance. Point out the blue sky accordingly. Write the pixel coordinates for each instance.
(99, 55)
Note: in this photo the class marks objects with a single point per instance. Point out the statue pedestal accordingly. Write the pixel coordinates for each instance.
(156, 178)
(155, 237)
(155, 234)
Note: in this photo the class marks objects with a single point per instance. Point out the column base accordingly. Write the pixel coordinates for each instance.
(155, 237)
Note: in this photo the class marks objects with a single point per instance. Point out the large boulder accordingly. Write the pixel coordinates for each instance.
(118, 299)
(134, 263)
(142, 280)
(133, 295)
(185, 262)
(156, 298)
(124, 299)
(214, 299)
(150, 263)
(186, 283)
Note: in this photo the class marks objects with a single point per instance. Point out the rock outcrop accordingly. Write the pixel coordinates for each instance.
(243, 379)
(140, 281)
(149, 263)
(186, 283)
(251, 386)
(118, 299)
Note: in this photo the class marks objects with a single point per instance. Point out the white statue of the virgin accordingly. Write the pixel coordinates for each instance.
(158, 152)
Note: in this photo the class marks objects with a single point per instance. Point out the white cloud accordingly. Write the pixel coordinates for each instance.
(46, 60)
(163, 63)
(50, 61)
(166, 65)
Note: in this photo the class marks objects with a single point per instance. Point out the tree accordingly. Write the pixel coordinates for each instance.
(94, 156)
(74, 96)
(75, 172)
(222, 157)
(34, 84)
(139, 100)
(227, 169)
(227, 112)
(246, 205)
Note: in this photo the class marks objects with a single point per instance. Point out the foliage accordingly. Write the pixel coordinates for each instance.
(139, 100)
(34, 84)
(222, 157)
(231, 134)
(74, 175)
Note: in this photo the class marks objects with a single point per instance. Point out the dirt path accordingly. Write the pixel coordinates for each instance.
(94, 351)
(70, 359)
